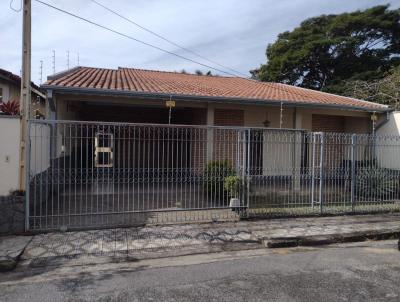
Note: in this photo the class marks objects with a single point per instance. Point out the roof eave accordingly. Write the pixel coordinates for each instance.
(213, 99)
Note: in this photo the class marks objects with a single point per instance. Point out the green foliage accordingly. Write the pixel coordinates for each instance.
(214, 176)
(376, 183)
(235, 186)
(385, 91)
(328, 49)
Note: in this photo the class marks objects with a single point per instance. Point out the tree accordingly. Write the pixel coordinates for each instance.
(384, 91)
(328, 49)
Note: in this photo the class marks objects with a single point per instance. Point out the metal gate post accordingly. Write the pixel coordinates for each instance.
(321, 173)
(313, 171)
(353, 172)
(27, 172)
(247, 173)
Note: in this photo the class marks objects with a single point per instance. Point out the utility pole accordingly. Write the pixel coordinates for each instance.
(54, 61)
(25, 90)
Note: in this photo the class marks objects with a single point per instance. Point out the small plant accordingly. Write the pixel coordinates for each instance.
(377, 184)
(10, 108)
(214, 177)
(235, 186)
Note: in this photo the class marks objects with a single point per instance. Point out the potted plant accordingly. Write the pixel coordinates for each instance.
(236, 187)
(214, 176)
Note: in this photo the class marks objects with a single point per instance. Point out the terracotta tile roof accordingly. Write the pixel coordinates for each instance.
(173, 83)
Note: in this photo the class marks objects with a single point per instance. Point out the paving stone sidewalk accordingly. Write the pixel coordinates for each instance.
(174, 240)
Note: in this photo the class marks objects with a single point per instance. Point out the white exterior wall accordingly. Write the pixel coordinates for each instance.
(387, 152)
(9, 154)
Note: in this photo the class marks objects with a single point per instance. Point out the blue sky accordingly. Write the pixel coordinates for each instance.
(234, 33)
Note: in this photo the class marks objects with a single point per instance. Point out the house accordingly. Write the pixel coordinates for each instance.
(10, 89)
(129, 145)
(10, 126)
(128, 95)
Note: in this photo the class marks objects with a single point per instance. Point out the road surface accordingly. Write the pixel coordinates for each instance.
(368, 271)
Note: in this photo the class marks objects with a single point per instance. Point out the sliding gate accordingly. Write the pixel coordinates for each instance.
(86, 174)
(90, 174)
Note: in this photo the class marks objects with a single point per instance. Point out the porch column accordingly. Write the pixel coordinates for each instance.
(298, 121)
(210, 132)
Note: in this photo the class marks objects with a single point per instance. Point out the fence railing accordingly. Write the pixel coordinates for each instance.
(86, 174)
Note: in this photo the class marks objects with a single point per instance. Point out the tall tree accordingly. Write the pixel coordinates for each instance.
(385, 90)
(325, 50)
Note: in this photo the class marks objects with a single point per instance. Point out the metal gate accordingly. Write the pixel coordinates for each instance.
(85, 174)
(91, 174)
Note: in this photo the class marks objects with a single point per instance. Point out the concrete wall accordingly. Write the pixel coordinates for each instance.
(12, 218)
(9, 153)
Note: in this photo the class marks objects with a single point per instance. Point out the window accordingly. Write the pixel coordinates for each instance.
(1, 94)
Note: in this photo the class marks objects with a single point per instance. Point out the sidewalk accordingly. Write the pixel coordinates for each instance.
(132, 244)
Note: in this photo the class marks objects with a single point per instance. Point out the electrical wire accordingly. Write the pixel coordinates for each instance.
(166, 39)
(132, 38)
(15, 10)
(159, 48)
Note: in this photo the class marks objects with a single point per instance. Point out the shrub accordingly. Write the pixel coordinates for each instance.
(235, 186)
(10, 107)
(377, 184)
(214, 176)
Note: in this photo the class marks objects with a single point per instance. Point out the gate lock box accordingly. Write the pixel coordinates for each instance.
(104, 146)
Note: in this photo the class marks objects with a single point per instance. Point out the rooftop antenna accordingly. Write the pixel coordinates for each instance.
(41, 72)
(78, 58)
(67, 59)
(54, 61)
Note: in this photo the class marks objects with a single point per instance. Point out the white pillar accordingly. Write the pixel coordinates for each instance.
(210, 132)
(298, 122)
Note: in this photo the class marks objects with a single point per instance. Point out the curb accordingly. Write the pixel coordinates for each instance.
(11, 249)
(317, 240)
(7, 264)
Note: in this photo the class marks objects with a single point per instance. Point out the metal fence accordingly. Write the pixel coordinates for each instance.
(89, 174)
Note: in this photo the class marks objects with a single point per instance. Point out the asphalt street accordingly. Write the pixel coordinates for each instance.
(368, 271)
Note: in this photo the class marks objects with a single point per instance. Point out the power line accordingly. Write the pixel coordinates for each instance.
(132, 38)
(156, 47)
(166, 39)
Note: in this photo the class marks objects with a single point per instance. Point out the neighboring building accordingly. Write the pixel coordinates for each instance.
(10, 89)
(10, 126)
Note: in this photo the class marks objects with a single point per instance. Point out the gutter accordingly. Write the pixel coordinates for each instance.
(209, 99)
